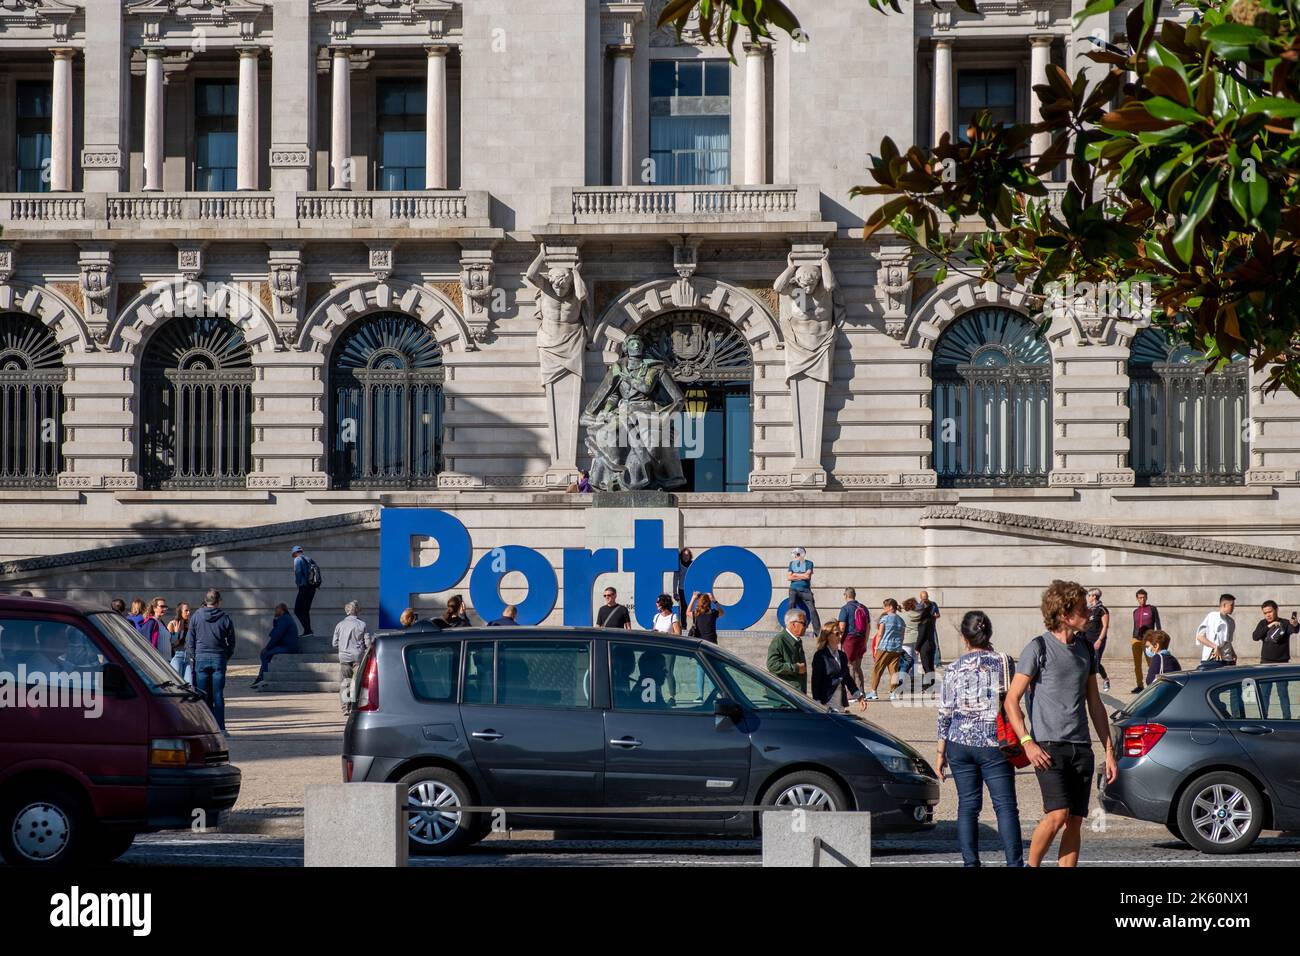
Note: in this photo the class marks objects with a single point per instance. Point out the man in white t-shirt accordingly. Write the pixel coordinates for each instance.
(1215, 635)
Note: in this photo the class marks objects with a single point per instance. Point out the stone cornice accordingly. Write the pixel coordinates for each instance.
(185, 545)
(1088, 533)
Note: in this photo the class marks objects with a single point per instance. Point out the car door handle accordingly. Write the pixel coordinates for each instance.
(1255, 730)
(487, 735)
(627, 743)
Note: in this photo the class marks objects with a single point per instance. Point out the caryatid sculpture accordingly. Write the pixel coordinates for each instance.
(815, 313)
(562, 307)
(631, 424)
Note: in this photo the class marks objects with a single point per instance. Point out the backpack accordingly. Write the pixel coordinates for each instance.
(149, 627)
(861, 620)
(1040, 652)
(313, 573)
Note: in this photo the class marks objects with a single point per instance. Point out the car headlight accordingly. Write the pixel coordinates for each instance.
(892, 760)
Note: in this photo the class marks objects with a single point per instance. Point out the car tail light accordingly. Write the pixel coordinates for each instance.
(168, 752)
(347, 769)
(1140, 738)
(368, 692)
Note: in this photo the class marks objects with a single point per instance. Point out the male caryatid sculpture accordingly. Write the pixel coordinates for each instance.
(815, 312)
(631, 425)
(561, 339)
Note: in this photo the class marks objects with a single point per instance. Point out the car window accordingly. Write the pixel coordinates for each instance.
(1279, 699)
(544, 674)
(480, 672)
(1236, 701)
(432, 670)
(1153, 700)
(649, 678)
(758, 693)
(149, 665)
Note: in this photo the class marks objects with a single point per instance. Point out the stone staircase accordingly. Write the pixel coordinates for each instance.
(314, 669)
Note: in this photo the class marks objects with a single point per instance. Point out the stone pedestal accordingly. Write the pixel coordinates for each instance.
(816, 838)
(354, 824)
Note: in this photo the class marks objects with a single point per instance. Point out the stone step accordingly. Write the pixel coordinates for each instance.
(331, 658)
(302, 670)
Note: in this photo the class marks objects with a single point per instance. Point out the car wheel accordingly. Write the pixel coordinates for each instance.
(42, 826)
(806, 790)
(107, 845)
(435, 823)
(1221, 813)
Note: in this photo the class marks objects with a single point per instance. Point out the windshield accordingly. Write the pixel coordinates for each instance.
(1153, 700)
(149, 665)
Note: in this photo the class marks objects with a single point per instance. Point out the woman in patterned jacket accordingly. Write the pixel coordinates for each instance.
(973, 688)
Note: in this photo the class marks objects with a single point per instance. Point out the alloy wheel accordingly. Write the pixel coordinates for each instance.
(806, 795)
(1221, 813)
(435, 812)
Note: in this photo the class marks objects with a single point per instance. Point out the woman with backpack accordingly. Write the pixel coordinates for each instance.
(178, 633)
(969, 706)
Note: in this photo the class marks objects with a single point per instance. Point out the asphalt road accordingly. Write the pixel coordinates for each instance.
(1132, 847)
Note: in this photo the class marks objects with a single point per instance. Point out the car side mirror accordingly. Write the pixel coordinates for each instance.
(115, 683)
(723, 707)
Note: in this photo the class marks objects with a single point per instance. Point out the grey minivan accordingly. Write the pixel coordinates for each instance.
(537, 721)
(1214, 755)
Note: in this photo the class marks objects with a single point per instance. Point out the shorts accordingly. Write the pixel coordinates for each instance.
(1067, 783)
(855, 647)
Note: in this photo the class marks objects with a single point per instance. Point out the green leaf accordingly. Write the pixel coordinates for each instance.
(1093, 9)
(1202, 200)
(1235, 41)
(1164, 108)
(1275, 106)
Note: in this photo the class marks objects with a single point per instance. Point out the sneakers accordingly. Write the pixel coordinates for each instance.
(1136, 690)
(895, 696)
(871, 695)
(1105, 687)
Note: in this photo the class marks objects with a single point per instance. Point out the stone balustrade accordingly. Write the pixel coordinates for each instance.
(34, 214)
(641, 205)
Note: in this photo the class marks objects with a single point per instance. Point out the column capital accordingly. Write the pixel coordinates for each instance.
(437, 49)
(620, 49)
(249, 52)
(753, 48)
(1041, 39)
(153, 51)
(63, 52)
(942, 41)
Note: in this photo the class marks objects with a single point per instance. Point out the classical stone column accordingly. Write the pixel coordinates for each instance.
(1040, 51)
(247, 174)
(153, 119)
(435, 134)
(620, 126)
(341, 121)
(942, 88)
(61, 123)
(755, 114)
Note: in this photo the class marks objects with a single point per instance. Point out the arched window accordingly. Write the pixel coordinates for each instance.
(992, 402)
(1185, 427)
(714, 365)
(196, 403)
(31, 403)
(386, 380)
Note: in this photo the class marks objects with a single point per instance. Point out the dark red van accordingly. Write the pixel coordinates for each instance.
(99, 738)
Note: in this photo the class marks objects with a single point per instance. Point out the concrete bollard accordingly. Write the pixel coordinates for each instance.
(816, 838)
(354, 824)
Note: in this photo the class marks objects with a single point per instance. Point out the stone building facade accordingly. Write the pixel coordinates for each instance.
(264, 262)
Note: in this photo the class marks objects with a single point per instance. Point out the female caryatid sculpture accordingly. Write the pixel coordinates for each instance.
(816, 311)
(632, 422)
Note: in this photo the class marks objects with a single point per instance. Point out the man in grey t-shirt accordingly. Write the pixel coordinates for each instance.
(1061, 669)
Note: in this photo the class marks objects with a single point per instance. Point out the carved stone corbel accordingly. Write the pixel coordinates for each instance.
(98, 285)
(381, 260)
(190, 260)
(685, 261)
(476, 264)
(894, 288)
(8, 261)
(284, 278)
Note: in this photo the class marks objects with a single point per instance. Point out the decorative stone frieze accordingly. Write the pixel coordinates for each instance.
(476, 289)
(284, 280)
(98, 285)
(894, 287)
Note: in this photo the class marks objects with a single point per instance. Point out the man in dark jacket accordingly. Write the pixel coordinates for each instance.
(1274, 635)
(212, 634)
(785, 655)
(283, 639)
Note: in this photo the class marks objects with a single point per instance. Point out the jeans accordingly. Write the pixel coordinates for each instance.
(270, 651)
(182, 665)
(803, 598)
(972, 767)
(302, 607)
(210, 681)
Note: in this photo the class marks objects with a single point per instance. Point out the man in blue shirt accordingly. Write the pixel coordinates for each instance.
(283, 639)
(800, 577)
(507, 618)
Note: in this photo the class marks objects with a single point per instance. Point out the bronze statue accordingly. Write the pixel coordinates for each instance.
(630, 425)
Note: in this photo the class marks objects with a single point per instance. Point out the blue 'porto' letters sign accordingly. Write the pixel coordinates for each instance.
(648, 561)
